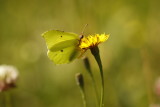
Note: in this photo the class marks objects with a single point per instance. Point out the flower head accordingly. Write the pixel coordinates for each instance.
(92, 41)
(79, 80)
(8, 76)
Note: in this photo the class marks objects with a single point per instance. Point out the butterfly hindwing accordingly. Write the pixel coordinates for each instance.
(65, 55)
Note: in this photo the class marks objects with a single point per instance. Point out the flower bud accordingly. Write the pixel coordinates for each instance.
(79, 80)
(87, 64)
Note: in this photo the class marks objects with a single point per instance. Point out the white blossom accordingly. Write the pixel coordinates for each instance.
(8, 76)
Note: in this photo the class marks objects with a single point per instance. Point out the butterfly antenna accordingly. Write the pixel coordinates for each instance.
(84, 29)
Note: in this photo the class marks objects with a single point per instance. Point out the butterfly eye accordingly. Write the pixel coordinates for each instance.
(61, 50)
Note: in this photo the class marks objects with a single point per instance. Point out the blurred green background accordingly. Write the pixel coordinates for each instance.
(131, 56)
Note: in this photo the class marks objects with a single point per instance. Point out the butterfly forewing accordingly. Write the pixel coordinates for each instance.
(54, 37)
(64, 44)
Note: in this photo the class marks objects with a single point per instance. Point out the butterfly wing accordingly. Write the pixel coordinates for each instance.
(62, 46)
(54, 37)
(64, 55)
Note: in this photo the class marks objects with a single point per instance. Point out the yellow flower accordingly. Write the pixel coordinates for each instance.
(92, 41)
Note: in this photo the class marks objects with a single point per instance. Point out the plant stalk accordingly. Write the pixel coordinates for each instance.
(80, 83)
(83, 97)
(95, 53)
(87, 66)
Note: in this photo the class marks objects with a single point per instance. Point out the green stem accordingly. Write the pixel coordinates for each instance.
(83, 97)
(7, 99)
(87, 66)
(95, 53)
(94, 85)
(3, 99)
